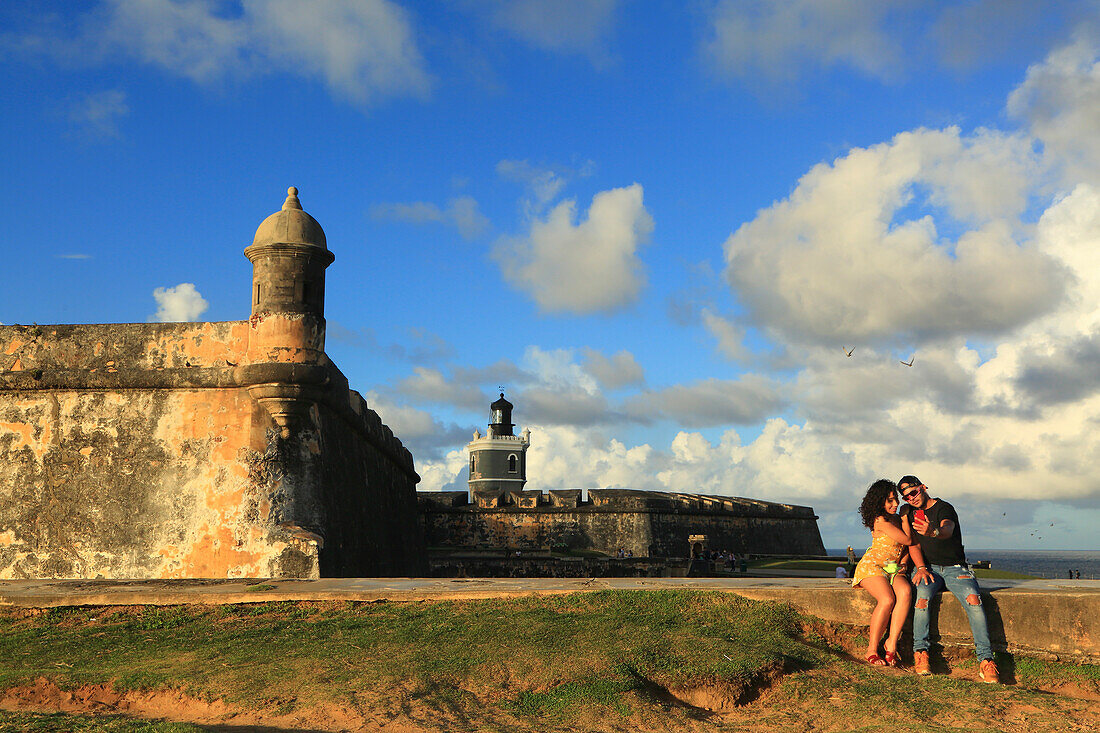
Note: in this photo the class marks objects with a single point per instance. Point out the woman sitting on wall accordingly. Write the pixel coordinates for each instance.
(879, 572)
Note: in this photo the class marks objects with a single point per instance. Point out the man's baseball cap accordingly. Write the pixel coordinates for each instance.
(909, 481)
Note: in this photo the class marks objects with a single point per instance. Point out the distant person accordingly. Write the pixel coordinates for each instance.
(941, 563)
(850, 566)
(879, 571)
(744, 564)
(841, 571)
(1078, 575)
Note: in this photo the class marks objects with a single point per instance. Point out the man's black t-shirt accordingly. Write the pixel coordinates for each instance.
(939, 551)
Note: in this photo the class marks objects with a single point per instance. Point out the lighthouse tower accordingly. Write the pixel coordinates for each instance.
(498, 460)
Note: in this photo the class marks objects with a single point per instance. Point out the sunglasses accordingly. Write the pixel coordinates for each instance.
(910, 494)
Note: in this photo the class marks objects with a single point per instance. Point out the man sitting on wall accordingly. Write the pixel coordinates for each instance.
(940, 562)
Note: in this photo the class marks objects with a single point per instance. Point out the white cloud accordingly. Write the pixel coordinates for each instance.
(708, 402)
(99, 113)
(763, 42)
(181, 303)
(582, 268)
(462, 213)
(567, 26)
(431, 385)
(620, 370)
(775, 41)
(544, 183)
(557, 368)
(730, 336)
(844, 260)
(418, 430)
(1060, 102)
(361, 49)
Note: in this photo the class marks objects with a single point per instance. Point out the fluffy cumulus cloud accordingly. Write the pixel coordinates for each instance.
(855, 254)
(181, 303)
(1060, 102)
(461, 212)
(582, 267)
(360, 49)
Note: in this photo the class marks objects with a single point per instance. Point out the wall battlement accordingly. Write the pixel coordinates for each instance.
(642, 523)
(607, 500)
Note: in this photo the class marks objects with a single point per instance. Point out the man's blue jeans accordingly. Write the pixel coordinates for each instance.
(959, 580)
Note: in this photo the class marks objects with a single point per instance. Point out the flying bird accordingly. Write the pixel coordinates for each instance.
(846, 352)
(910, 362)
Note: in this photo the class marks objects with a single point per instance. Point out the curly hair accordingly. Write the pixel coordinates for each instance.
(874, 501)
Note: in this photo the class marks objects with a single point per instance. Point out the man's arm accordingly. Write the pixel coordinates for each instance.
(921, 573)
(947, 528)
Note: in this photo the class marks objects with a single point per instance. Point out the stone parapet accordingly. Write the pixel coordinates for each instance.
(645, 523)
(619, 500)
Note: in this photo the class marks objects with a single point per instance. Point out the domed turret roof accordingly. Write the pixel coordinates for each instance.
(501, 404)
(290, 225)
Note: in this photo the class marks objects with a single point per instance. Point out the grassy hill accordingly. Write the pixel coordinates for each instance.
(607, 660)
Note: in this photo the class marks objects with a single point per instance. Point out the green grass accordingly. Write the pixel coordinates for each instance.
(605, 660)
(536, 656)
(24, 722)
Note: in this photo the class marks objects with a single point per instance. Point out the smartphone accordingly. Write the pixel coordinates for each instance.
(919, 514)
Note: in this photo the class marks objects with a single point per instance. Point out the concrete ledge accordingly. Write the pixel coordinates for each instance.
(1041, 617)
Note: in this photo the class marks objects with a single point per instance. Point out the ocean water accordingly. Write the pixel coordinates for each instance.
(1043, 563)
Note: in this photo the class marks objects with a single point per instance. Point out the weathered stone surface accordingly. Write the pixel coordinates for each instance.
(183, 450)
(138, 452)
(645, 523)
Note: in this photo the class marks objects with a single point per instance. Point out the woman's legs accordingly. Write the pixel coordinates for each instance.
(883, 594)
(903, 593)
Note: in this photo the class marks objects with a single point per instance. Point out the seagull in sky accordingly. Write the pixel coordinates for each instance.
(910, 362)
(846, 352)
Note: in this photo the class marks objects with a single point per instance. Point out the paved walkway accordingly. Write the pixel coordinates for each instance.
(47, 593)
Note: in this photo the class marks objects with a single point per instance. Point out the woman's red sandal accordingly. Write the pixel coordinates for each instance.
(892, 659)
(875, 660)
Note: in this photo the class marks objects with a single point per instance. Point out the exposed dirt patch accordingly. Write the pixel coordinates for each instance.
(780, 704)
(173, 705)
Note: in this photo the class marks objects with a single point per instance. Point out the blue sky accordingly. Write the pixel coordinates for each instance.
(658, 225)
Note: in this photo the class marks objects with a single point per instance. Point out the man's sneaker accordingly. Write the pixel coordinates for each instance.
(921, 665)
(987, 670)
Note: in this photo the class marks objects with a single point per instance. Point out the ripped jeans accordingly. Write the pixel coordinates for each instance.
(959, 579)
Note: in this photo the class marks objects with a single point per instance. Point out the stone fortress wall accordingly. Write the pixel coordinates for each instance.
(190, 450)
(645, 523)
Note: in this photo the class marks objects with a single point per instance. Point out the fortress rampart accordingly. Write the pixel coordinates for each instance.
(644, 523)
(190, 450)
